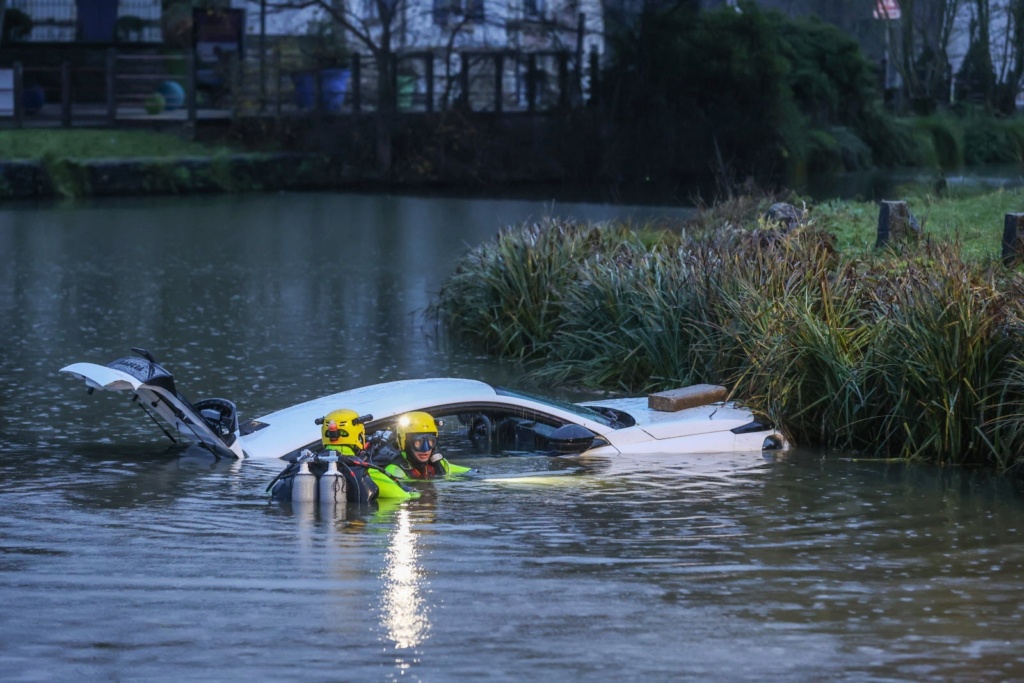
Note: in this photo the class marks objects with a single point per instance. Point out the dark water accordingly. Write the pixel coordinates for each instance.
(121, 559)
(880, 184)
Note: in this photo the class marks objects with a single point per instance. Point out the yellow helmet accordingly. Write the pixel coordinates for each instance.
(343, 428)
(414, 424)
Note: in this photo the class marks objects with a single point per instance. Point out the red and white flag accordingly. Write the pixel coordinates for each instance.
(887, 9)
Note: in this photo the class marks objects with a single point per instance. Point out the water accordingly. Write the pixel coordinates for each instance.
(124, 559)
(881, 184)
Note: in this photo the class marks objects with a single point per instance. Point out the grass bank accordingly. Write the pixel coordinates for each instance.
(40, 144)
(911, 351)
(87, 163)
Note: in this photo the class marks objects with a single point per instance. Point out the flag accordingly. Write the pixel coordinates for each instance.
(887, 9)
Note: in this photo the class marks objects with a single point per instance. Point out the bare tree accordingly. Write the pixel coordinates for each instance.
(1011, 55)
(919, 44)
(372, 24)
(386, 29)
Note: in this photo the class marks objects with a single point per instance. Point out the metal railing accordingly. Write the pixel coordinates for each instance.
(120, 88)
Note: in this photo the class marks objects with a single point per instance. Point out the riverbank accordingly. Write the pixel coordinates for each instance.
(76, 178)
(45, 164)
(908, 351)
(312, 154)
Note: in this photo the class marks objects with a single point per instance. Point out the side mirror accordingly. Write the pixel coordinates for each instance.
(571, 439)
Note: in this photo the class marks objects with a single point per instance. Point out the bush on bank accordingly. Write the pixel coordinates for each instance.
(911, 352)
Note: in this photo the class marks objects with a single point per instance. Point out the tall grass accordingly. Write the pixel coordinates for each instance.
(505, 291)
(906, 353)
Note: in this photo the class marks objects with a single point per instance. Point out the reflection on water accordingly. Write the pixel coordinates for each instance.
(403, 607)
(122, 558)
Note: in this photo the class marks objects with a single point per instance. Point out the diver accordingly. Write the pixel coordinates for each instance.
(343, 439)
(342, 432)
(415, 456)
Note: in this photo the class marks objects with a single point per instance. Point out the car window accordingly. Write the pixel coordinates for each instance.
(497, 431)
(472, 430)
(582, 411)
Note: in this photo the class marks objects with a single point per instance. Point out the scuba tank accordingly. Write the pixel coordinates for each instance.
(304, 484)
(332, 484)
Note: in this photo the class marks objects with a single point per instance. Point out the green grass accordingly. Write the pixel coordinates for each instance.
(975, 220)
(36, 144)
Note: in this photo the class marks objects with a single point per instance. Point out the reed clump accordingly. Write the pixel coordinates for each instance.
(902, 352)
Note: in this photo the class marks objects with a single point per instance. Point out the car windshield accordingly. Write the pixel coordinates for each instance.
(582, 411)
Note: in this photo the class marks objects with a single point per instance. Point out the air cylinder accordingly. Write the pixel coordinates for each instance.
(332, 484)
(304, 485)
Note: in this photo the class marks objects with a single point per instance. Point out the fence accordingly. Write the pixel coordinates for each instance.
(123, 86)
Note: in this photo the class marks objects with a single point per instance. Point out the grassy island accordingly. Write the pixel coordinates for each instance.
(913, 350)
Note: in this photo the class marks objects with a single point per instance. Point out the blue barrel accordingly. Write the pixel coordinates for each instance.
(334, 84)
(333, 87)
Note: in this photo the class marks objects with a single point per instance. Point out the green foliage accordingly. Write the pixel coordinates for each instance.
(836, 150)
(892, 141)
(988, 139)
(895, 352)
(830, 79)
(95, 144)
(696, 87)
(70, 179)
(946, 138)
(751, 93)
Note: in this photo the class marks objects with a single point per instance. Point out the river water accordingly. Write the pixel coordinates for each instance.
(122, 558)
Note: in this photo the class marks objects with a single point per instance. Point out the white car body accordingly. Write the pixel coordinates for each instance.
(468, 408)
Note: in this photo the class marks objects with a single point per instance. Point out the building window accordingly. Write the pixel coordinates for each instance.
(451, 11)
(534, 9)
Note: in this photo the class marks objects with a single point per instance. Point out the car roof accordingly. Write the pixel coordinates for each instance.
(282, 431)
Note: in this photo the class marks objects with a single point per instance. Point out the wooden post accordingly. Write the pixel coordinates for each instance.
(895, 223)
(235, 66)
(1013, 238)
(499, 71)
(19, 94)
(563, 80)
(190, 87)
(318, 92)
(277, 81)
(357, 85)
(428, 64)
(464, 82)
(263, 56)
(531, 83)
(111, 86)
(65, 94)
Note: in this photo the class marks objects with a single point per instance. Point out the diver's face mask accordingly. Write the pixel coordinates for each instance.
(422, 445)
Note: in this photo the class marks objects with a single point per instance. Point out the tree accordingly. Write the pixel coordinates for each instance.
(1011, 55)
(374, 28)
(385, 29)
(919, 42)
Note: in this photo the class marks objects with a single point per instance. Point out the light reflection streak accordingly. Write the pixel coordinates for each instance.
(404, 608)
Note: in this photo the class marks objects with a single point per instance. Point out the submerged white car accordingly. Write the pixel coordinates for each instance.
(474, 417)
